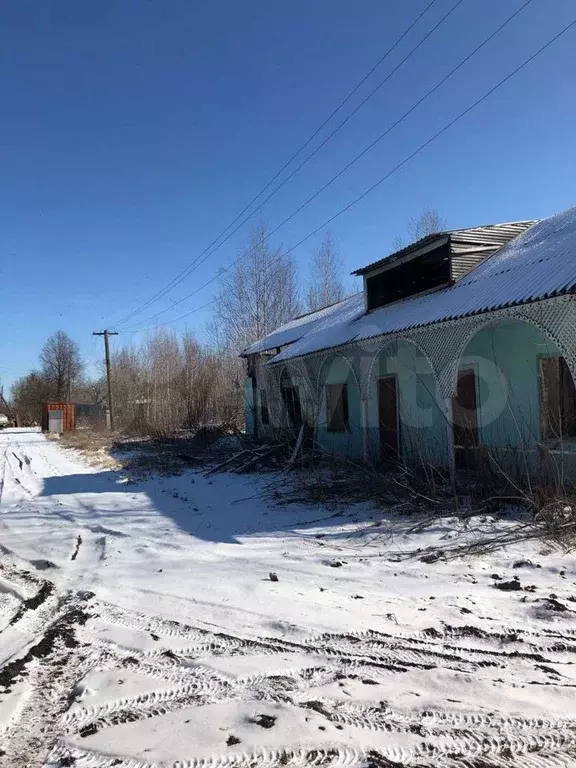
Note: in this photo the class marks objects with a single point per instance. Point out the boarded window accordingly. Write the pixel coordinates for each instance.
(337, 407)
(557, 399)
(264, 415)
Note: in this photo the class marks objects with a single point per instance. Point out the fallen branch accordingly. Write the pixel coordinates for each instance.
(297, 448)
(225, 463)
(259, 456)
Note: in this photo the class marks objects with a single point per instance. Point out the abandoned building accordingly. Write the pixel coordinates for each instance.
(461, 345)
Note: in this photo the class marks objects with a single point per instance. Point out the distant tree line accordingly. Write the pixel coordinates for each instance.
(60, 377)
(171, 381)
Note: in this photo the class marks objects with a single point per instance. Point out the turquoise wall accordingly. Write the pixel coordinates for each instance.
(248, 406)
(506, 360)
(337, 371)
(423, 430)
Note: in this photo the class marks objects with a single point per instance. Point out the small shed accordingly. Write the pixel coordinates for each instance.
(58, 417)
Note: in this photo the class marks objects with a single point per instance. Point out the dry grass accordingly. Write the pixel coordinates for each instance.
(169, 454)
(96, 447)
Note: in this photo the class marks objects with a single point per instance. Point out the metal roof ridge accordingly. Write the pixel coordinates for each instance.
(442, 233)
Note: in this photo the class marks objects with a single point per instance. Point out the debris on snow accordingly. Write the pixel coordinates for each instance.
(508, 586)
(265, 721)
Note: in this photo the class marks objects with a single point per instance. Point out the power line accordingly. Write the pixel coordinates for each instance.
(435, 136)
(196, 263)
(348, 165)
(184, 273)
(406, 160)
(168, 322)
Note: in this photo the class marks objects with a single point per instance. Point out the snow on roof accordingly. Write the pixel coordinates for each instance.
(488, 236)
(538, 264)
(295, 329)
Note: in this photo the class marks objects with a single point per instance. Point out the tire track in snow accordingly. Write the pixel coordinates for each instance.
(485, 744)
(200, 686)
(370, 649)
(322, 757)
(380, 718)
(479, 739)
(474, 752)
(4, 461)
(202, 690)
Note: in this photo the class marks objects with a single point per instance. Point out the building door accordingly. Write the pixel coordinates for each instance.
(465, 418)
(291, 398)
(388, 417)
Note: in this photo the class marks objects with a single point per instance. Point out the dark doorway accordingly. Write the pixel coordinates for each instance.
(557, 399)
(465, 419)
(388, 417)
(337, 407)
(291, 398)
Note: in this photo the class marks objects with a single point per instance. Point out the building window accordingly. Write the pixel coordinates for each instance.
(264, 415)
(557, 399)
(337, 407)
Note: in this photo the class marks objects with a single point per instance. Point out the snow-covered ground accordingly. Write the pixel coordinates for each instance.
(139, 626)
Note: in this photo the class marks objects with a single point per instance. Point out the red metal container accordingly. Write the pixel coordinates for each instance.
(68, 415)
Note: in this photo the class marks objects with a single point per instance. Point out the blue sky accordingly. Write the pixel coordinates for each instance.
(131, 133)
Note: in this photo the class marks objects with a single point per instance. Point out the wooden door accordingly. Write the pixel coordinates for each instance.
(388, 417)
(291, 397)
(465, 418)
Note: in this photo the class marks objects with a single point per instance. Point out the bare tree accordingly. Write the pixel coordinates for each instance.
(170, 383)
(256, 296)
(427, 223)
(130, 393)
(326, 285)
(61, 363)
(28, 394)
(91, 391)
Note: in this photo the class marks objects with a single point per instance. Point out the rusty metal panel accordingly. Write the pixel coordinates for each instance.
(68, 415)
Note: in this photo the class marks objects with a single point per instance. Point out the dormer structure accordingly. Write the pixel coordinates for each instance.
(435, 261)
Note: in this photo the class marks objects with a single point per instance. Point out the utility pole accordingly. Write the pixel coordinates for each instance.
(107, 335)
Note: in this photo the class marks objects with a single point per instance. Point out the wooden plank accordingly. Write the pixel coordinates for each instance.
(388, 417)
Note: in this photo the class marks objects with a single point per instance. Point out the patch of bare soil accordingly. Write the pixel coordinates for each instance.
(61, 631)
(33, 602)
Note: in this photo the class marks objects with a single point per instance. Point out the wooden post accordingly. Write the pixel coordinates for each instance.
(107, 335)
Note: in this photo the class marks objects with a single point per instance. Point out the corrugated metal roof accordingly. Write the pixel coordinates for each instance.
(538, 264)
(295, 329)
(495, 235)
